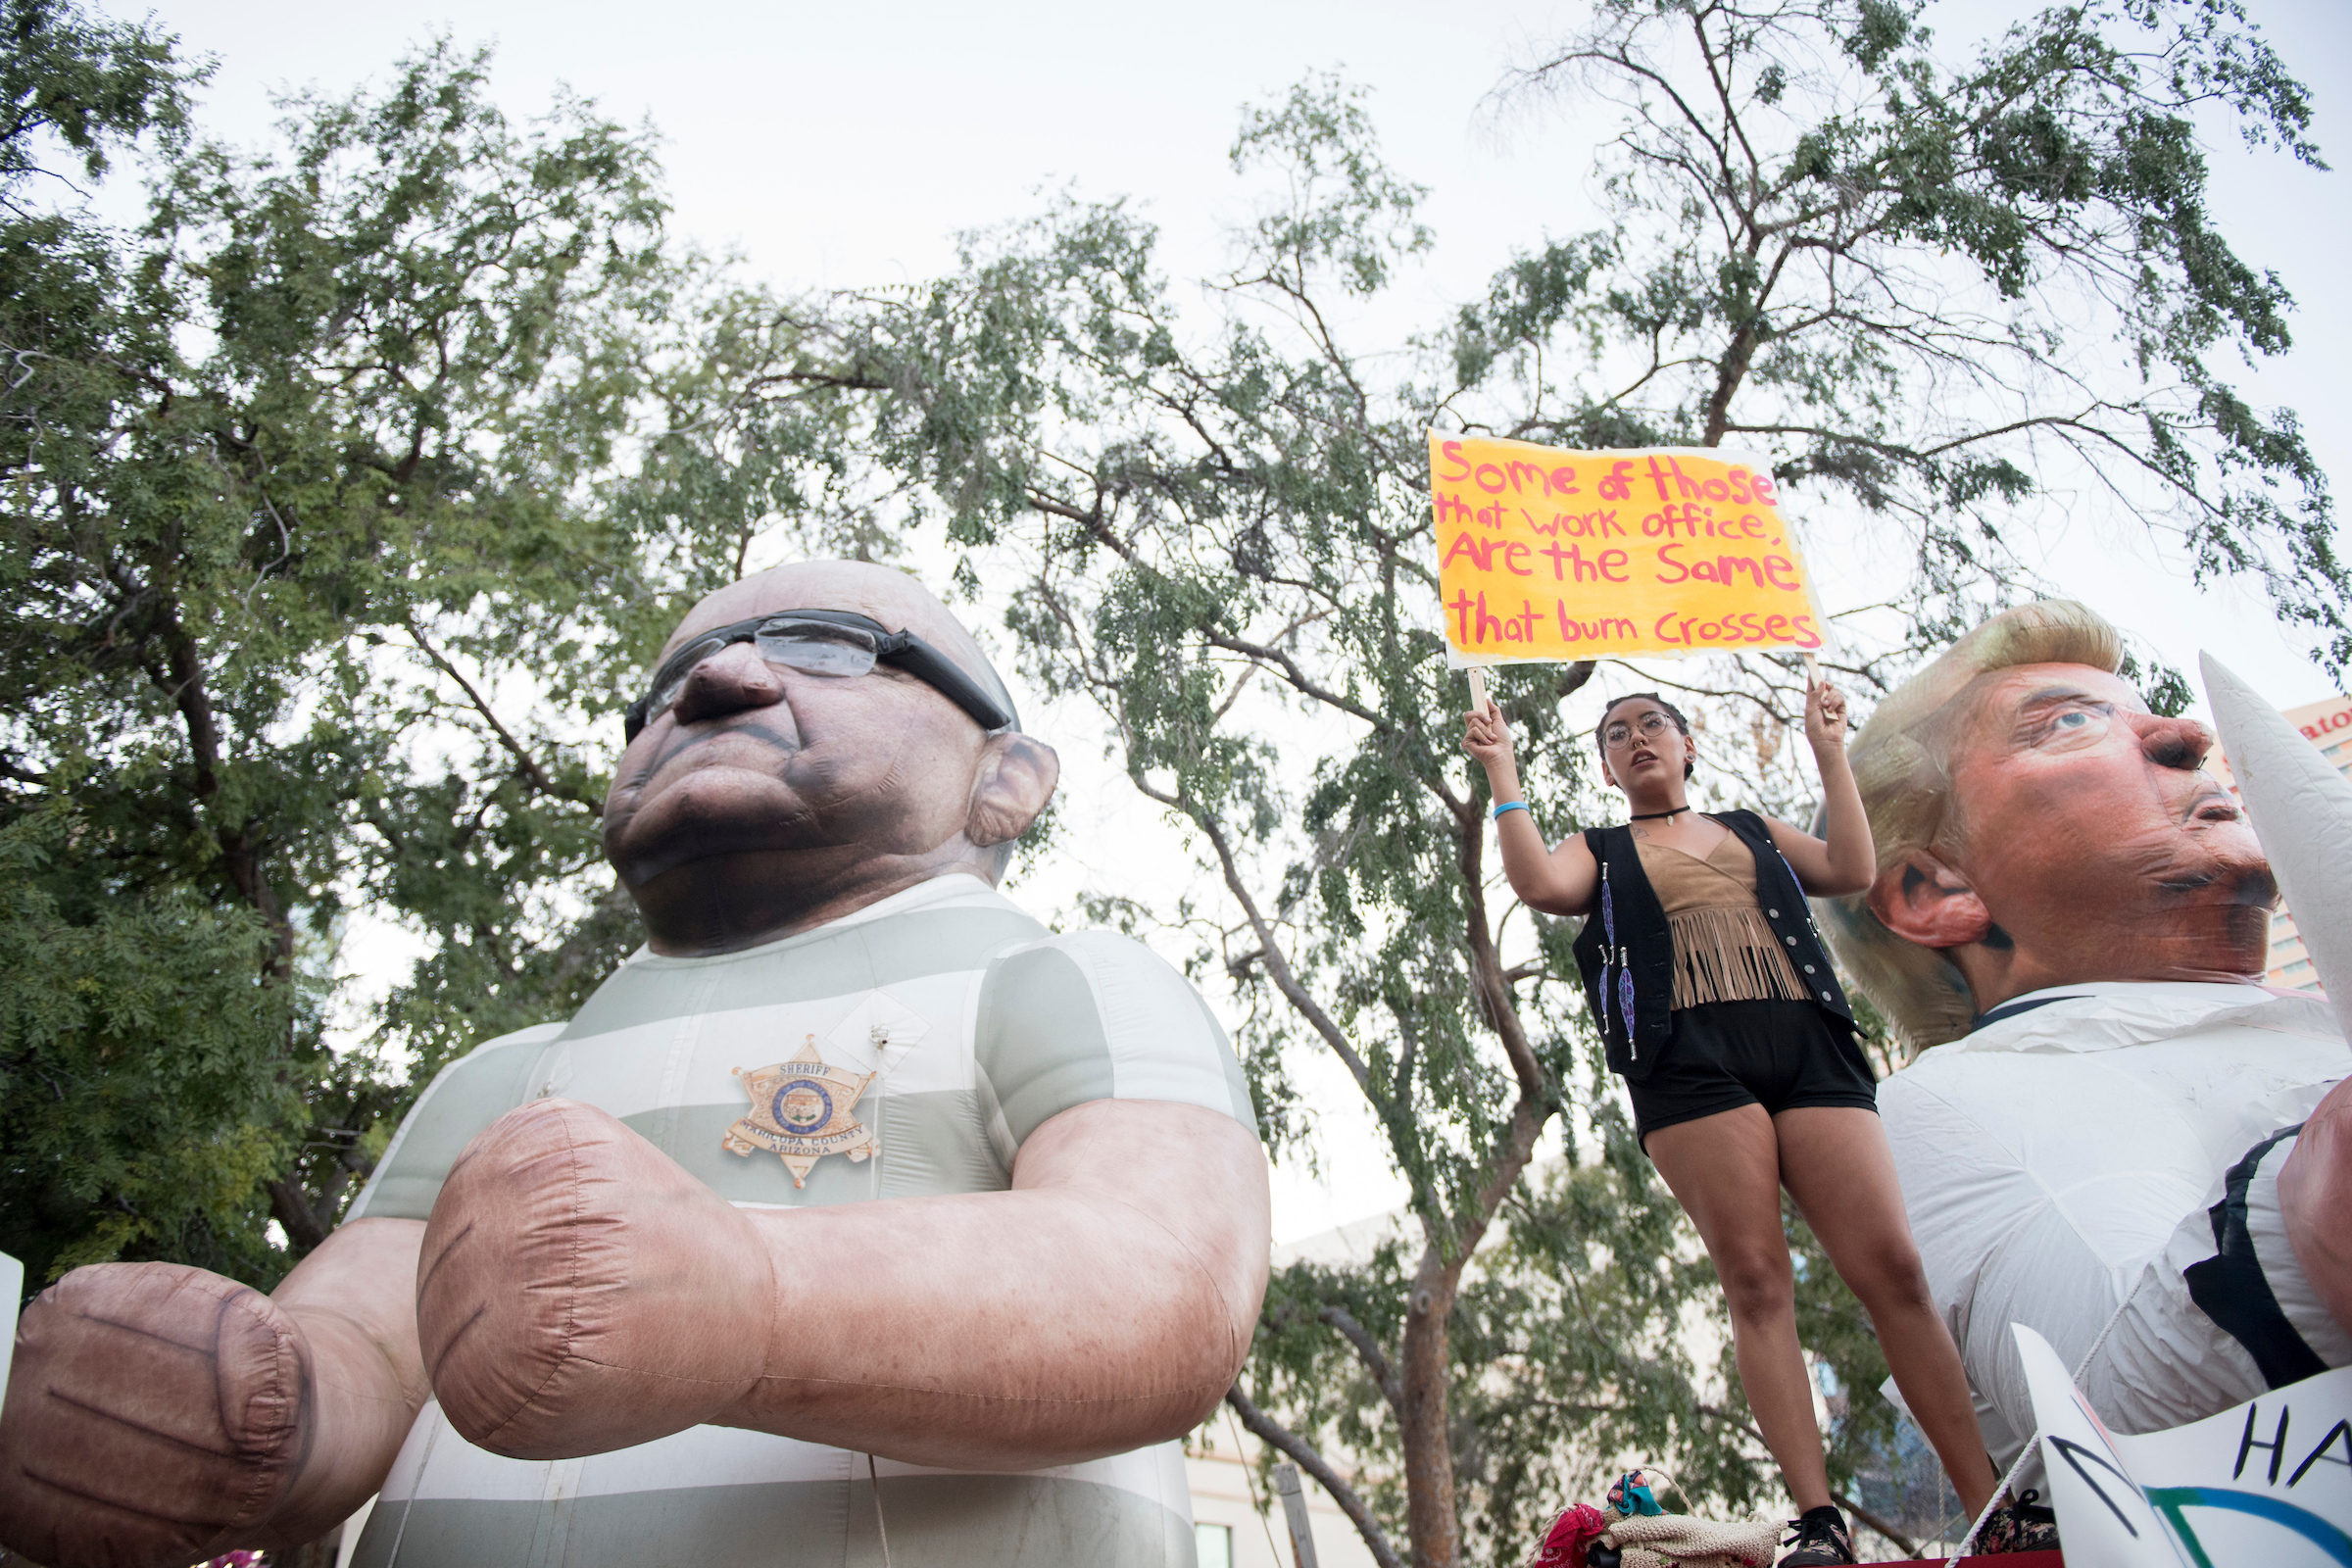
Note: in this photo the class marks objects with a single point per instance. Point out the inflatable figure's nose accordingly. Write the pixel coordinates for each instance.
(729, 681)
(2179, 743)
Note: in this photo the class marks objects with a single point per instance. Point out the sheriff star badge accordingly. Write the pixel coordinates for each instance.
(800, 1113)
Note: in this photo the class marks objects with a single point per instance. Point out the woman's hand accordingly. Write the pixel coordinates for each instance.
(1826, 725)
(1845, 861)
(1485, 737)
(1556, 881)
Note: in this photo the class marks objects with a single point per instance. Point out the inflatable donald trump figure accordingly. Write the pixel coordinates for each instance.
(2111, 1133)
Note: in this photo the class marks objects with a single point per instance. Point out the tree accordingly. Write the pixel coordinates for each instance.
(329, 560)
(88, 83)
(103, 1142)
(1936, 294)
(1223, 542)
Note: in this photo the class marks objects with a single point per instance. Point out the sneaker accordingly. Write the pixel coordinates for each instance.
(1820, 1541)
(2019, 1526)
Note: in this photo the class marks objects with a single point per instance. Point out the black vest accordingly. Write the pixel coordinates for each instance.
(1625, 949)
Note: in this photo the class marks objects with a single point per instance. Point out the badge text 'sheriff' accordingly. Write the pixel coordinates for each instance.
(800, 1113)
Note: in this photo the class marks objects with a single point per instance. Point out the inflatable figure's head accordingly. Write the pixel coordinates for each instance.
(2035, 826)
(814, 738)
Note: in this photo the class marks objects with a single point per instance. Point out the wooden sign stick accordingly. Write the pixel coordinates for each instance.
(1478, 688)
(1812, 669)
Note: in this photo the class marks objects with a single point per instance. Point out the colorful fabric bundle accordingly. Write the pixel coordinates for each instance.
(1678, 1541)
(1635, 1532)
(1632, 1495)
(1564, 1546)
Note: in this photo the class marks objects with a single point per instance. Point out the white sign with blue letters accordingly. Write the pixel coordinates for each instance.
(2266, 1485)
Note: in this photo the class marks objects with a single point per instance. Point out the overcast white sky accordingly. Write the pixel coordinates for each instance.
(838, 144)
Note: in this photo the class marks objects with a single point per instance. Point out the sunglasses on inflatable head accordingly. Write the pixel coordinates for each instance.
(820, 642)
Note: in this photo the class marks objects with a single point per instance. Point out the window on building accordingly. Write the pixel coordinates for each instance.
(1214, 1546)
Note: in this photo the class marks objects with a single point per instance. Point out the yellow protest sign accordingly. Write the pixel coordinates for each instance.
(1544, 554)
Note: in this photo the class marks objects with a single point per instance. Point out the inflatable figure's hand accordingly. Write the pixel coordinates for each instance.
(2315, 1200)
(156, 1415)
(579, 1292)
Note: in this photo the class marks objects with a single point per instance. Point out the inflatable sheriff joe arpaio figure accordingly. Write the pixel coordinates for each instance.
(854, 1208)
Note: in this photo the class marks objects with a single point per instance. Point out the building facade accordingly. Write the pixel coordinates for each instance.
(2329, 726)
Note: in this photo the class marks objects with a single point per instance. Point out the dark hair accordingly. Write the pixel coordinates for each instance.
(1615, 703)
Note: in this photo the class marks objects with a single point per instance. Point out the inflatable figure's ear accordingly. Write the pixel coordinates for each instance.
(1922, 900)
(1017, 775)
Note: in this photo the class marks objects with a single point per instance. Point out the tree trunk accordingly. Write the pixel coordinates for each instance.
(305, 1225)
(1732, 370)
(1430, 1506)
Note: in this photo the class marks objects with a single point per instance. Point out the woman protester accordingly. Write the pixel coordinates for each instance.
(1718, 1006)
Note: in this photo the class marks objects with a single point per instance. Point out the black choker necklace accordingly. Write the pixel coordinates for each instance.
(1652, 817)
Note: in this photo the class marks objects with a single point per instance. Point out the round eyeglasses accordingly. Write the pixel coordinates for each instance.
(1651, 724)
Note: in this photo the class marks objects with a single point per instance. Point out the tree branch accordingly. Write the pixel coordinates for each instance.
(1902, 1543)
(1297, 677)
(292, 1207)
(1269, 1431)
(1277, 962)
(524, 762)
(1375, 1359)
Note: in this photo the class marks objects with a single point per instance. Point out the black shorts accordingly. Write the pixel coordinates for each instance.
(1725, 1054)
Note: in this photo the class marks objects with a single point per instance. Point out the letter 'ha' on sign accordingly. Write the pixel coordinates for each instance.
(2266, 1484)
(1550, 554)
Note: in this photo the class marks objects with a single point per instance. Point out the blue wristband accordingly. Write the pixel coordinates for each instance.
(1510, 806)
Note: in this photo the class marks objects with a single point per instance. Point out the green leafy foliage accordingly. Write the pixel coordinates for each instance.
(89, 84)
(341, 507)
(1814, 219)
(117, 1147)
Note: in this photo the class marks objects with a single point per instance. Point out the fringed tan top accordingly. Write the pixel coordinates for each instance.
(1723, 950)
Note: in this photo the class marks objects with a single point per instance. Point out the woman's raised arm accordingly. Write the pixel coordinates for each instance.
(1847, 861)
(1555, 881)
